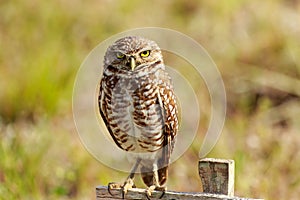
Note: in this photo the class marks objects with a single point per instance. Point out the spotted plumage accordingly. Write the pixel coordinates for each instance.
(138, 105)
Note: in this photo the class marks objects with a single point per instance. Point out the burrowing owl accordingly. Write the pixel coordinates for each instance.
(138, 106)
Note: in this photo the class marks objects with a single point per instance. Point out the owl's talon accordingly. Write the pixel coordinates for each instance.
(111, 186)
(162, 194)
(150, 189)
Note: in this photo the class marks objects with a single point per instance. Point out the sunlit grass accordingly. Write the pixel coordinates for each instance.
(43, 43)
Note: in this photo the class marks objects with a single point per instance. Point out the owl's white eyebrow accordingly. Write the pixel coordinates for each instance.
(144, 49)
(123, 52)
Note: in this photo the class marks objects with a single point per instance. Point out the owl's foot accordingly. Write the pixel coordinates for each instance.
(150, 189)
(128, 184)
(113, 185)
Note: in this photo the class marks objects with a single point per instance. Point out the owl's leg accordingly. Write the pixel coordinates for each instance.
(128, 184)
(156, 186)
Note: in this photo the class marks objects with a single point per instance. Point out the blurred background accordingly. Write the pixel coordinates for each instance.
(255, 44)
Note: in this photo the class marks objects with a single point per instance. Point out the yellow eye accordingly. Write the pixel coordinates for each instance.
(145, 53)
(120, 55)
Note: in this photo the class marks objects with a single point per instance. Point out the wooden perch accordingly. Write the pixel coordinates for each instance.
(217, 176)
(137, 193)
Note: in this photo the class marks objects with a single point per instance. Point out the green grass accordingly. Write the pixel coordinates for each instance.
(42, 44)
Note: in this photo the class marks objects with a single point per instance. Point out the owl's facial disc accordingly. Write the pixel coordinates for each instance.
(132, 53)
(131, 60)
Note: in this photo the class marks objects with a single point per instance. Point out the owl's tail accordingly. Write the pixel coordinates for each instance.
(148, 176)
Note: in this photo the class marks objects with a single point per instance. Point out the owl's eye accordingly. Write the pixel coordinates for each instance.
(120, 55)
(145, 53)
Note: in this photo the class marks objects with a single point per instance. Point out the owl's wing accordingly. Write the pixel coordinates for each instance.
(167, 101)
(102, 103)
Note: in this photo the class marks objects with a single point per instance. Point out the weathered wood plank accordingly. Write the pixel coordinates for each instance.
(136, 193)
(217, 176)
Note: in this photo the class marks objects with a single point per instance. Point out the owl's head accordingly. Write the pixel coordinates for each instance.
(132, 53)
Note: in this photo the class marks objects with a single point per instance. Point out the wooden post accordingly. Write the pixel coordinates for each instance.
(217, 176)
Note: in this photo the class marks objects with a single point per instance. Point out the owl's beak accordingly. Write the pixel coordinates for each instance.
(132, 63)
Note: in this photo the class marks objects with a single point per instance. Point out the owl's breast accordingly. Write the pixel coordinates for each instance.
(135, 116)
